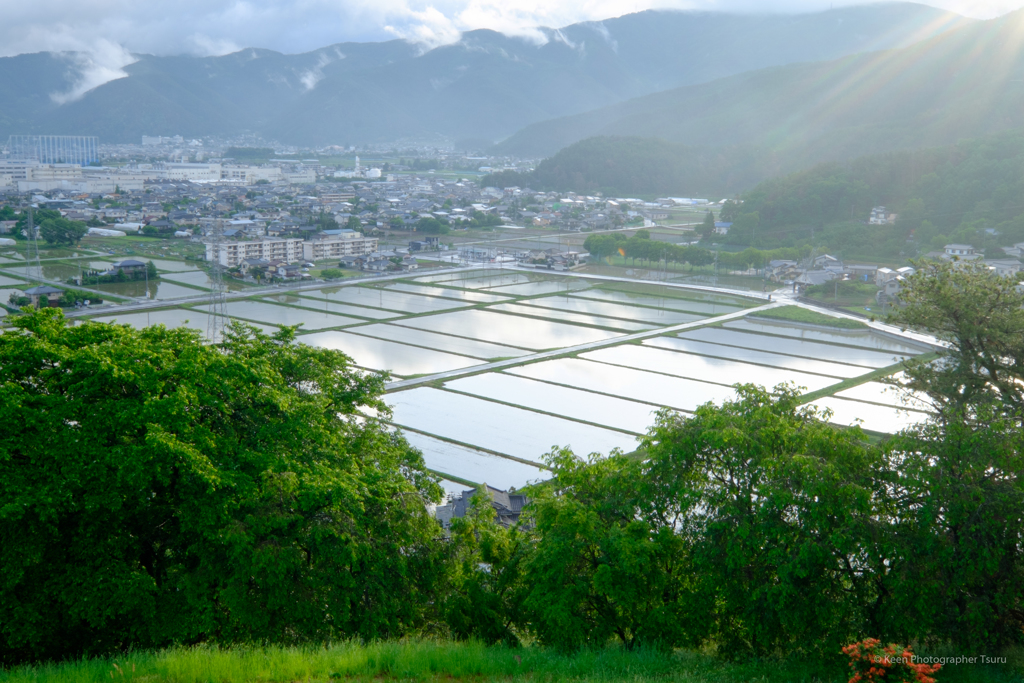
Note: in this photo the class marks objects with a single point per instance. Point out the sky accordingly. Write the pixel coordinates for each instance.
(105, 33)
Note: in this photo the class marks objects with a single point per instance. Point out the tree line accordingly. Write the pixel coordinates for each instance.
(641, 247)
(160, 490)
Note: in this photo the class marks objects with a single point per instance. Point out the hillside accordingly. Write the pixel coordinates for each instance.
(486, 86)
(967, 82)
(967, 193)
(630, 166)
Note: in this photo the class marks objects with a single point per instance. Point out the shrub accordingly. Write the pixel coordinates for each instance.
(893, 663)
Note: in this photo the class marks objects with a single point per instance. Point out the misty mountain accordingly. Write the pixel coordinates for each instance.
(965, 83)
(485, 87)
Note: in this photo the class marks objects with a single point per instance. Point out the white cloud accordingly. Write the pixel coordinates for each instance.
(214, 27)
(310, 77)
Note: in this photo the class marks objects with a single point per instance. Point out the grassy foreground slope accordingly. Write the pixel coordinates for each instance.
(447, 661)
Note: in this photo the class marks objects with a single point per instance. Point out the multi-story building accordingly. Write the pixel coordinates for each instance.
(230, 254)
(335, 246)
(55, 149)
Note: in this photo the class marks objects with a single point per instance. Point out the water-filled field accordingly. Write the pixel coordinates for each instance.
(578, 318)
(492, 426)
(468, 463)
(470, 391)
(509, 329)
(551, 398)
(379, 354)
(265, 312)
(440, 342)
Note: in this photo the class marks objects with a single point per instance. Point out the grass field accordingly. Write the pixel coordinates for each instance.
(424, 660)
(803, 315)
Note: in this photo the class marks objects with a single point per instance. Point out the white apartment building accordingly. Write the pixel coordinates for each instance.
(250, 175)
(233, 253)
(191, 172)
(348, 243)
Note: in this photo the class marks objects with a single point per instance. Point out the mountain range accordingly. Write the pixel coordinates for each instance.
(483, 88)
(967, 82)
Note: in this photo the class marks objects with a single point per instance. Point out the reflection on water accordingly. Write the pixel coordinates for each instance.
(706, 369)
(639, 385)
(509, 329)
(474, 465)
(551, 398)
(380, 354)
(499, 428)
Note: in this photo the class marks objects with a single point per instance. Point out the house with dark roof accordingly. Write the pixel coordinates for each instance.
(508, 505)
(44, 296)
(129, 267)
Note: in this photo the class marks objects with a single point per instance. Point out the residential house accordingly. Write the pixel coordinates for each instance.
(964, 252)
(129, 267)
(1004, 267)
(881, 216)
(781, 270)
(44, 296)
(864, 273)
(251, 266)
(508, 505)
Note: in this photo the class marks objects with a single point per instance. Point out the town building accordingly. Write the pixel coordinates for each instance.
(232, 253)
(334, 246)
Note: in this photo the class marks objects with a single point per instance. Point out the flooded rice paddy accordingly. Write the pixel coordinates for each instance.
(481, 423)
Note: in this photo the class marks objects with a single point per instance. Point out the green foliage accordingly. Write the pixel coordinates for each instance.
(956, 566)
(941, 195)
(332, 273)
(768, 499)
(62, 231)
(627, 166)
(640, 246)
(38, 216)
(609, 562)
(804, 315)
(486, 594)
(432, 226)
(157, 489)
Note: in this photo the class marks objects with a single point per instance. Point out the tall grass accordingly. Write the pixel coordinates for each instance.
(426, 660)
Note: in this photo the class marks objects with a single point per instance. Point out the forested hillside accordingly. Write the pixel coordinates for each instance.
(620, 166)
(965, 83)
(972, 192)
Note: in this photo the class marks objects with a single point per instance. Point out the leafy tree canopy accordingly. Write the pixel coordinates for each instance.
(62, 231)
(157, 489)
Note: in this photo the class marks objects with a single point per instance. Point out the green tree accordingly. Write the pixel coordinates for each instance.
(608, 562)
(157, 489)
(770, 501)
(955, 485)
(151, 271)
(431, 226)
(485, 597)
(707, 228)
(62, 231)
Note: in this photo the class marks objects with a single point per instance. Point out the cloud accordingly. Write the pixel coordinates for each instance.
(216, 27)
(101, 63)
(310, 77)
